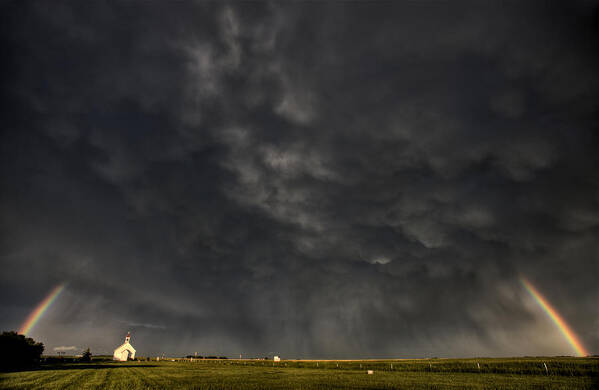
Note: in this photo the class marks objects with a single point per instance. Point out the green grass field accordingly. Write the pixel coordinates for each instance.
(523, 373)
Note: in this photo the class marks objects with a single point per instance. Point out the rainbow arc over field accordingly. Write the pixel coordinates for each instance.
(556, 318)
(40, 309)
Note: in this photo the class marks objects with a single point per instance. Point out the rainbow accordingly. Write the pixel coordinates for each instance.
(40, 309)
(557, 319)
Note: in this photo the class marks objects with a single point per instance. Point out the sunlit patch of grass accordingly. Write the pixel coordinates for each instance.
(525, 373)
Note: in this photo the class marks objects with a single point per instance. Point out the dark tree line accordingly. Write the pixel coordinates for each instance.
(18, 352)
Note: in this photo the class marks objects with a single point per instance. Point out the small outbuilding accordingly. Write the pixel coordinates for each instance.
(125, 351)
(277, 359)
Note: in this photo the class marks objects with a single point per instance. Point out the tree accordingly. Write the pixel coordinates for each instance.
(87, 356)
(18, 351)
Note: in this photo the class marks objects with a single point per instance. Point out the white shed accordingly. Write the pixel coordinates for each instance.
(125, 351)
(277, 359)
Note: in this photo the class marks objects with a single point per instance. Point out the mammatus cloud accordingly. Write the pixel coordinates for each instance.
(321, 180)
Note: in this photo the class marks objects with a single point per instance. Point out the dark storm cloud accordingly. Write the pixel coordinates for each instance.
(317, 180)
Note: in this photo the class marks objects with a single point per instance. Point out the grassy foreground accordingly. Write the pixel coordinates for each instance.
(526, 373)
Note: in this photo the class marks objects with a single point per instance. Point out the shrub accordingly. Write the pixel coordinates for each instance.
(87, 356)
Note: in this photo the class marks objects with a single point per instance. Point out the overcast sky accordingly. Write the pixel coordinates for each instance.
(309, 180)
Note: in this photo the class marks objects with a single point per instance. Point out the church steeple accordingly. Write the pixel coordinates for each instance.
(125, 351)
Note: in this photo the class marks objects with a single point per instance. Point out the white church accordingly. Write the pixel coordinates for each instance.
(125, 351)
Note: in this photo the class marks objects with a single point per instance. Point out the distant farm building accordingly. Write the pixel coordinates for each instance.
(125, 351)
(277, 359)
